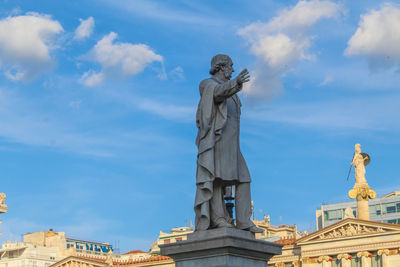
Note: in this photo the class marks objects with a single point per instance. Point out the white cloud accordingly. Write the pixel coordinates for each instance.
(283, 41)
(91, 78)
(280, 50)
(378, 37)
(25, 45)
(85, 29)
(118, 59)
(304, 15)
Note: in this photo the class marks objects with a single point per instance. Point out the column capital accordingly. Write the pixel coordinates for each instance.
(383, 252)
(344, 256)
(364, 254)
(324, 258)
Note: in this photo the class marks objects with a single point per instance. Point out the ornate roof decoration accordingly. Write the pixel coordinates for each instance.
(349, 228)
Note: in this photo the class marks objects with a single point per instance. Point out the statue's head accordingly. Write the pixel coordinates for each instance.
(222, 63)
(357, 147)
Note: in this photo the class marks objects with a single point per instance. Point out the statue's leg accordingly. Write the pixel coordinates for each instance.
(218, 213)
(243, 206)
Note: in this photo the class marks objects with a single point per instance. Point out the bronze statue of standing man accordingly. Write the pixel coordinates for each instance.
(219, 161)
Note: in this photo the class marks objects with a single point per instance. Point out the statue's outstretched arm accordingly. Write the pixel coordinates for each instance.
(226, 89)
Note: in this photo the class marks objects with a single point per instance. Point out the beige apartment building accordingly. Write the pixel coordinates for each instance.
(42, 249)
(177, 234)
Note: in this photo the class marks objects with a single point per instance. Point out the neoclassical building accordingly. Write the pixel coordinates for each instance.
(348, 243)
(110, 261)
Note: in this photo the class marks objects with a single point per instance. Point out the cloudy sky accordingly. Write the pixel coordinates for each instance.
(97, 105)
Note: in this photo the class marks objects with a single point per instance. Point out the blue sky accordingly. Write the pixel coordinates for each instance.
(97, 104)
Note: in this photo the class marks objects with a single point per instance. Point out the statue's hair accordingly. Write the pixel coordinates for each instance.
(218, 61)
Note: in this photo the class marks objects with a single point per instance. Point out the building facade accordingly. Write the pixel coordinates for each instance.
(276, 232)
(177, 234)
(41, 249)
(347, 243)
(384, 209)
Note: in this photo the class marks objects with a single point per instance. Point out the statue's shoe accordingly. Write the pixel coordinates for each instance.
(223, 223)
(254, 229)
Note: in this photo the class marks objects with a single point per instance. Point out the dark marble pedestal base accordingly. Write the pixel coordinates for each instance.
(221, 247)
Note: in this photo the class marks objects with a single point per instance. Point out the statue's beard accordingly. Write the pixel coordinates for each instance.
(227, 75)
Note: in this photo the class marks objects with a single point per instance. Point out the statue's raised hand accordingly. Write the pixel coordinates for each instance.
(243, 77)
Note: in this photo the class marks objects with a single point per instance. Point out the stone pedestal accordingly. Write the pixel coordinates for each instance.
(221, 247)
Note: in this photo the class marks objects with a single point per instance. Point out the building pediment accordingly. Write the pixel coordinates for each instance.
(350, 228)
(78, 261)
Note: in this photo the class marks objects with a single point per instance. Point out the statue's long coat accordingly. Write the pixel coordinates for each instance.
(219, 156)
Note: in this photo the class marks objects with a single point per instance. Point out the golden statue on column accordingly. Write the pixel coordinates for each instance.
(3, 205)
(361, 190)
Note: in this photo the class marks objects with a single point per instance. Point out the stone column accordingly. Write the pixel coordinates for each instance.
(326, 261)
(362, 194)
(384, 253)
(365, 258)
(305, 262)
(345, 259)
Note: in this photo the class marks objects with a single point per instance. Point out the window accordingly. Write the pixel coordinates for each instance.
(398, 206)
(392, 221)
(167, 241)
(391, 209)
(335, 214)
(378, 212)
(178, 239)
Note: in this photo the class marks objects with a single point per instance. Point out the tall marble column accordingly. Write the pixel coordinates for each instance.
(384, 253)
(345, 259)
(365, 258)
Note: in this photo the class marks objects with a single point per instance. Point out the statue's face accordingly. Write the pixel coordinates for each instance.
(228, 69)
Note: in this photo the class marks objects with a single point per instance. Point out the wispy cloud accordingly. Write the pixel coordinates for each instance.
(363, 113)
(328, 79)
(85, 29)
(187, 13)
(168, 111)
(24, 123)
